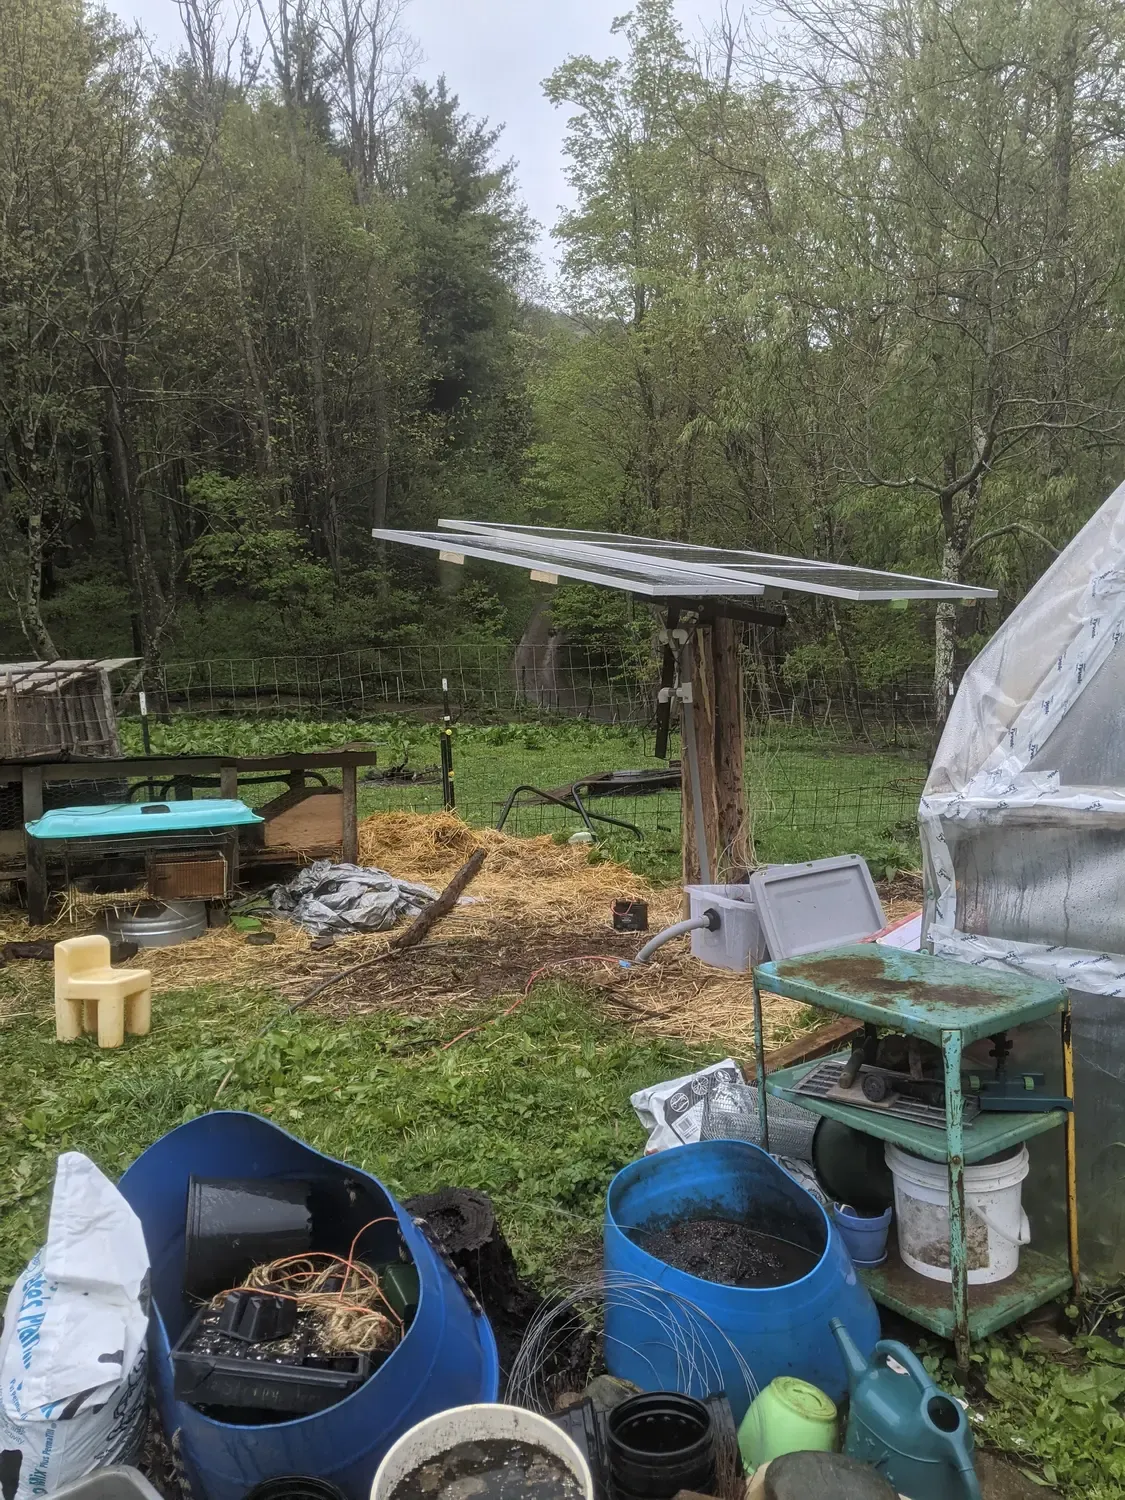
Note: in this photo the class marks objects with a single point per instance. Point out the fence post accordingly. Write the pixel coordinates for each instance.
(448, 799)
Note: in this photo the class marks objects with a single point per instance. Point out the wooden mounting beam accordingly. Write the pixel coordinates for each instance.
(710, 610)
(167, 766)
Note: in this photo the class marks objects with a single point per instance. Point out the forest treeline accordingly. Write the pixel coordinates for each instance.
(847, 286)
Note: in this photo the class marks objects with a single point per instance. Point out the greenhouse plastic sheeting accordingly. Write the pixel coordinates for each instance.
(1023, 831)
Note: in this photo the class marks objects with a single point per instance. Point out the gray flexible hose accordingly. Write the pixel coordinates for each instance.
(710, 919)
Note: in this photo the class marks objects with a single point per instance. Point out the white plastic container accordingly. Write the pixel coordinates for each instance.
(820, 904)
(738, 944)
(482, 1422)
(995, 1223)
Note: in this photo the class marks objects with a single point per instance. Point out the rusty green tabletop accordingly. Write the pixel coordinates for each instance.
(916, 993)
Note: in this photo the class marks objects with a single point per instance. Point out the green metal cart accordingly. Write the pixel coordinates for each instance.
(952, 1005)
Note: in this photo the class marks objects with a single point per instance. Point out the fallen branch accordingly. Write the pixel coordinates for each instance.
(443, 905)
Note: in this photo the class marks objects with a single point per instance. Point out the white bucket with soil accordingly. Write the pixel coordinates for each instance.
(995, 1223)
(464, 1427)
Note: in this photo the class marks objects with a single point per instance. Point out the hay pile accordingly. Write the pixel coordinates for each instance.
(535, 904)
(542, 904)
(541, 881)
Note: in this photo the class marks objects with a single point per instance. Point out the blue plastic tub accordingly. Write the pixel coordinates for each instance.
(147, 818)
(447, 1357)
(778, 1330)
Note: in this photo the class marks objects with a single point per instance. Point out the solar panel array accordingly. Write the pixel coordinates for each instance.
(659, 569)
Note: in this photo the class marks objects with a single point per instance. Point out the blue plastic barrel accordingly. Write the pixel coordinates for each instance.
(778, 1330)
(446, 1358)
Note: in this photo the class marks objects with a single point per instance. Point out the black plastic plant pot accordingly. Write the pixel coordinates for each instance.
(658, 1444)
(235, 1225)
(247, 1381)
(630, 916)
(852, 1167)
(294, 1487)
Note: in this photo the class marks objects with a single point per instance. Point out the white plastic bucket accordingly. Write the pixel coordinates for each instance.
(995, 1223)
(482, 1422)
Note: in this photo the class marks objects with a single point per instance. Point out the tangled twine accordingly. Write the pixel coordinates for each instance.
(343, 1296)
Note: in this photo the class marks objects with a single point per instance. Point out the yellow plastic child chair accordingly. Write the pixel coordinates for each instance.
(91, 995)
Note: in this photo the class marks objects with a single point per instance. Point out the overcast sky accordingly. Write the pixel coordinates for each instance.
(495, 54)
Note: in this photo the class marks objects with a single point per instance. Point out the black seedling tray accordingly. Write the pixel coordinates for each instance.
(286, 1375)
(257, 1317)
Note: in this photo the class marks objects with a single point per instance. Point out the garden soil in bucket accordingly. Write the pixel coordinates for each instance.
(498, 1469)
(995, 1223)
(728, 1252)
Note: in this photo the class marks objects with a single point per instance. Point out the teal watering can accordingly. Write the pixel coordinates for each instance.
(904, 1426)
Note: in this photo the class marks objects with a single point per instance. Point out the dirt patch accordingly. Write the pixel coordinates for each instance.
(468, 969)
(728, 1252)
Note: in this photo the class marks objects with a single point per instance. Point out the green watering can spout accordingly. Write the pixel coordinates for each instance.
(854, 1362)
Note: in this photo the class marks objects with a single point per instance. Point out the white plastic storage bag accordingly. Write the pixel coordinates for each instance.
(672, 1112)
(73, 1375)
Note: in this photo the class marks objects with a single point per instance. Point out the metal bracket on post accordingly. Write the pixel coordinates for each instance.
(673, 641)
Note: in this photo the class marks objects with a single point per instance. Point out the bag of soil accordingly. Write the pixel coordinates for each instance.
(72, 1353)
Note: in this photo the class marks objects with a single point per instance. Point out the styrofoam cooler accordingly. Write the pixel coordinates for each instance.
(995, 1223)
(738, 944)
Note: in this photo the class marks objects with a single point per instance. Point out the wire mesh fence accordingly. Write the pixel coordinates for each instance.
(831, 763)
(494, 679)
(500, 681)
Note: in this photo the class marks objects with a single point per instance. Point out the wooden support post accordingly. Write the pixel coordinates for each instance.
(351, 828)
(735, 842)
(228, 790)
(35, 867)
(712, 663)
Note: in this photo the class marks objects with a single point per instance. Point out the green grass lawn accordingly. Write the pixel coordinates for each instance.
(534, 1109)
(810, 796)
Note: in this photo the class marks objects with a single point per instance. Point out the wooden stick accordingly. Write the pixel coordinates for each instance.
(410, 936)
(818, 1043)
(444, 903)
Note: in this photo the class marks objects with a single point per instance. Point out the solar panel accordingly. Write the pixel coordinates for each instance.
(659, 568)
(610, 571)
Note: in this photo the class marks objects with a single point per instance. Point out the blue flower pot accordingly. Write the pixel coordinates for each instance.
(864, 1234)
